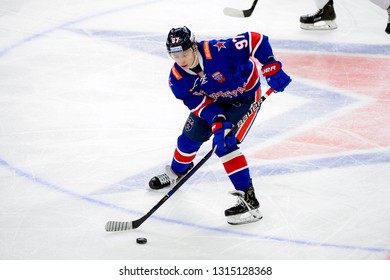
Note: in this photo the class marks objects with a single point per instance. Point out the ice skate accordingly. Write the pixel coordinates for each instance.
(323, 19)
(246, 210)
(167, 179)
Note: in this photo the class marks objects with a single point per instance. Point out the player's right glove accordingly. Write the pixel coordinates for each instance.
(275, 76)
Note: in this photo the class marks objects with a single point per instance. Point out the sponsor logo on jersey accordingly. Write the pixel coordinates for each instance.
(206, 49)
(224, 94)
(218, 77)
(176, 73)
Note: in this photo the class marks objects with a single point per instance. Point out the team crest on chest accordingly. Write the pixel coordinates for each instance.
(220, 45)
(218, 77)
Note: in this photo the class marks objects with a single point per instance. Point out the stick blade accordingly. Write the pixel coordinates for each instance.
(233, 12)
(118, 226)
(240, 13)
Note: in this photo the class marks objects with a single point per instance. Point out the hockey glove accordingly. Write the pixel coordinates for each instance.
(221, 129)
(275, 76)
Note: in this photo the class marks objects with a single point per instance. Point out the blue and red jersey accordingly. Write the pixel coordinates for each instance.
(229, 74)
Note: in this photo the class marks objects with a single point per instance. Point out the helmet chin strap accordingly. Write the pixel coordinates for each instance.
(196, 60)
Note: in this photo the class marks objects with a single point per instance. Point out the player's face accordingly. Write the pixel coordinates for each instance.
(184, 59)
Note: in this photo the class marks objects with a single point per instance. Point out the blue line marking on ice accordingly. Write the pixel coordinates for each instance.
(325, 47)
(357, 159)
(153, 43)
(280, 239)
(131, 39)
(317, 105)
(137, 181)
(8, 49)
(54, 187)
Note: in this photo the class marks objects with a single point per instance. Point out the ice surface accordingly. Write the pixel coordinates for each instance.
(87, 118)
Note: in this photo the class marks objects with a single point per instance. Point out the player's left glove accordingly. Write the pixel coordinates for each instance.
(221, 129)
(275, 76)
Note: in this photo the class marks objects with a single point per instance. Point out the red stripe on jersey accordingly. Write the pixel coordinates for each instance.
(235, 163)
(206, 101)
(253, 78)
(255, 39)
(182, 157)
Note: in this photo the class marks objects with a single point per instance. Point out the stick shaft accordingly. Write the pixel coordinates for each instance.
(122, 226)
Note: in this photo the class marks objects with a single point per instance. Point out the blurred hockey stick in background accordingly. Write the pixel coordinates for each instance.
(122, 226)
(240, 13)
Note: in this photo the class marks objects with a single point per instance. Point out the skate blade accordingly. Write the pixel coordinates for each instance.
(246, 218)
(321, 25)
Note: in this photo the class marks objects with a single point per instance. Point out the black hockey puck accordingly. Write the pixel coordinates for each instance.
(141, 240)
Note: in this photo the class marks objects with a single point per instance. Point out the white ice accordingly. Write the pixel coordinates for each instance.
(87, 118)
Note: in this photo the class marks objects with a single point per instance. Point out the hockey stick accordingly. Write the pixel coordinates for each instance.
(122, 226)
(240, 13)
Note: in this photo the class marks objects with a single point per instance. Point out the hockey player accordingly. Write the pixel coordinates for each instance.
(218, 80)
(325, 17)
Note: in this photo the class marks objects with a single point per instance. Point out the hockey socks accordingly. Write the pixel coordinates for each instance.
(236, 167)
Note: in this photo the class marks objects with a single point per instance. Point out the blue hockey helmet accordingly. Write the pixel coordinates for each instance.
(179, 40)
